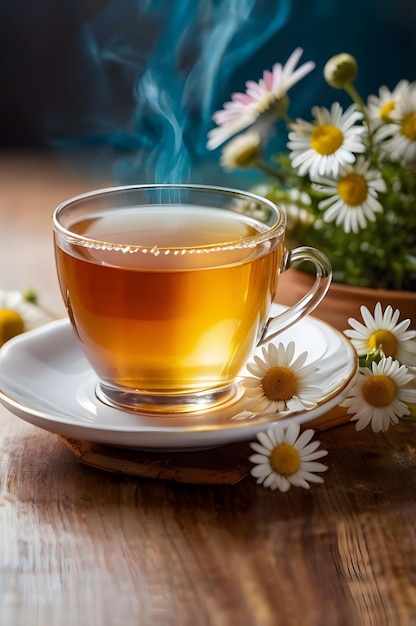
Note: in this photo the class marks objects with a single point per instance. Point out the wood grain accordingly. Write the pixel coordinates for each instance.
(80, 545)
(83, 546)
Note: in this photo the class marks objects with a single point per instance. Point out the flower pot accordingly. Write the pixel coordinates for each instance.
(344, 301)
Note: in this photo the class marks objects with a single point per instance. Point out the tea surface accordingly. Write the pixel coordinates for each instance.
(163, 319)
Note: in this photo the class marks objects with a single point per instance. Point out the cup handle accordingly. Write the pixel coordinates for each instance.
(310, 301)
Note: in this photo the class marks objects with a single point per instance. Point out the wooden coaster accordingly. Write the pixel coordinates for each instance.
(225, 465)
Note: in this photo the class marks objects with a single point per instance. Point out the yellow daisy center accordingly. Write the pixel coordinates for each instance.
(279, 384)
(326, 139)
(379, 391)
(387, 108)
(409, 126)
(246, 155)
(353, 189)
(11, 324)
(285, 459)
(386, 340)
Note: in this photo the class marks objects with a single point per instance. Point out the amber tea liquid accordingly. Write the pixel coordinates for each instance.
(167, 317)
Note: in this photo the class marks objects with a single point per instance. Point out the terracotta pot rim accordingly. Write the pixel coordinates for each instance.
(343, 302)
(384, 293)
(365, 291)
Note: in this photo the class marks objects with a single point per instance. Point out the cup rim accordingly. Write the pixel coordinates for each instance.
(247, 242)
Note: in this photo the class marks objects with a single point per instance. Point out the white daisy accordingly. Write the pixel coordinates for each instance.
(379, 395)
(283, 458)
(321, 147)
(383, 330)
(241, 151)
(268, 96)
(398, 138)
(352, 196)
(18, 315)
(280, 381)
(381, 107)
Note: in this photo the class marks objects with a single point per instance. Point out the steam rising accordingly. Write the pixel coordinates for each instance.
(161, 73)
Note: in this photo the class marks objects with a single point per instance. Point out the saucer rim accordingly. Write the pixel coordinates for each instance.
(113, 434)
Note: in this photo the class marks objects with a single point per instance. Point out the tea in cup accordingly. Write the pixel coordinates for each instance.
(169, 289)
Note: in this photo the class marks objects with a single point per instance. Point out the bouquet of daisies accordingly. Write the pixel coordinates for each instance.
(347, 178)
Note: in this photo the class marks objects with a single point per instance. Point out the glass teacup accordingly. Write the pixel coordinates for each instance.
(169, 289)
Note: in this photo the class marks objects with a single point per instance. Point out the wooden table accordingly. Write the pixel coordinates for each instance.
(81, 546)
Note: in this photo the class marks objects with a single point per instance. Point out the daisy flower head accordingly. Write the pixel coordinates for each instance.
(281, 381)
(383, 330)
(381, 107)
(352, 196)
(379, 395)
(283, 458)
(321, 147)
(241, 151)
(267, 98)
(18, 314)
(398, 138)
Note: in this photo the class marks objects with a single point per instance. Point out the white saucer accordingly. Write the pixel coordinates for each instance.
(46, 380)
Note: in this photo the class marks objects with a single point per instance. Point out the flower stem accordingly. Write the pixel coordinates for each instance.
(355, 97)
(264, 167)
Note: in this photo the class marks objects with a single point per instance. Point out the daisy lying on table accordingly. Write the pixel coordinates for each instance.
(383, 393)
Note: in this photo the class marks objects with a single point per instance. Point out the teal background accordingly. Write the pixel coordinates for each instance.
(130, 86)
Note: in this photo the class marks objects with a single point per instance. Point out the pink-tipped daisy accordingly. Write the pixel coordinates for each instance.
(265, 98)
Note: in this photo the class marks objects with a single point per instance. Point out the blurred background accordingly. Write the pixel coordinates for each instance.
(127, 88)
